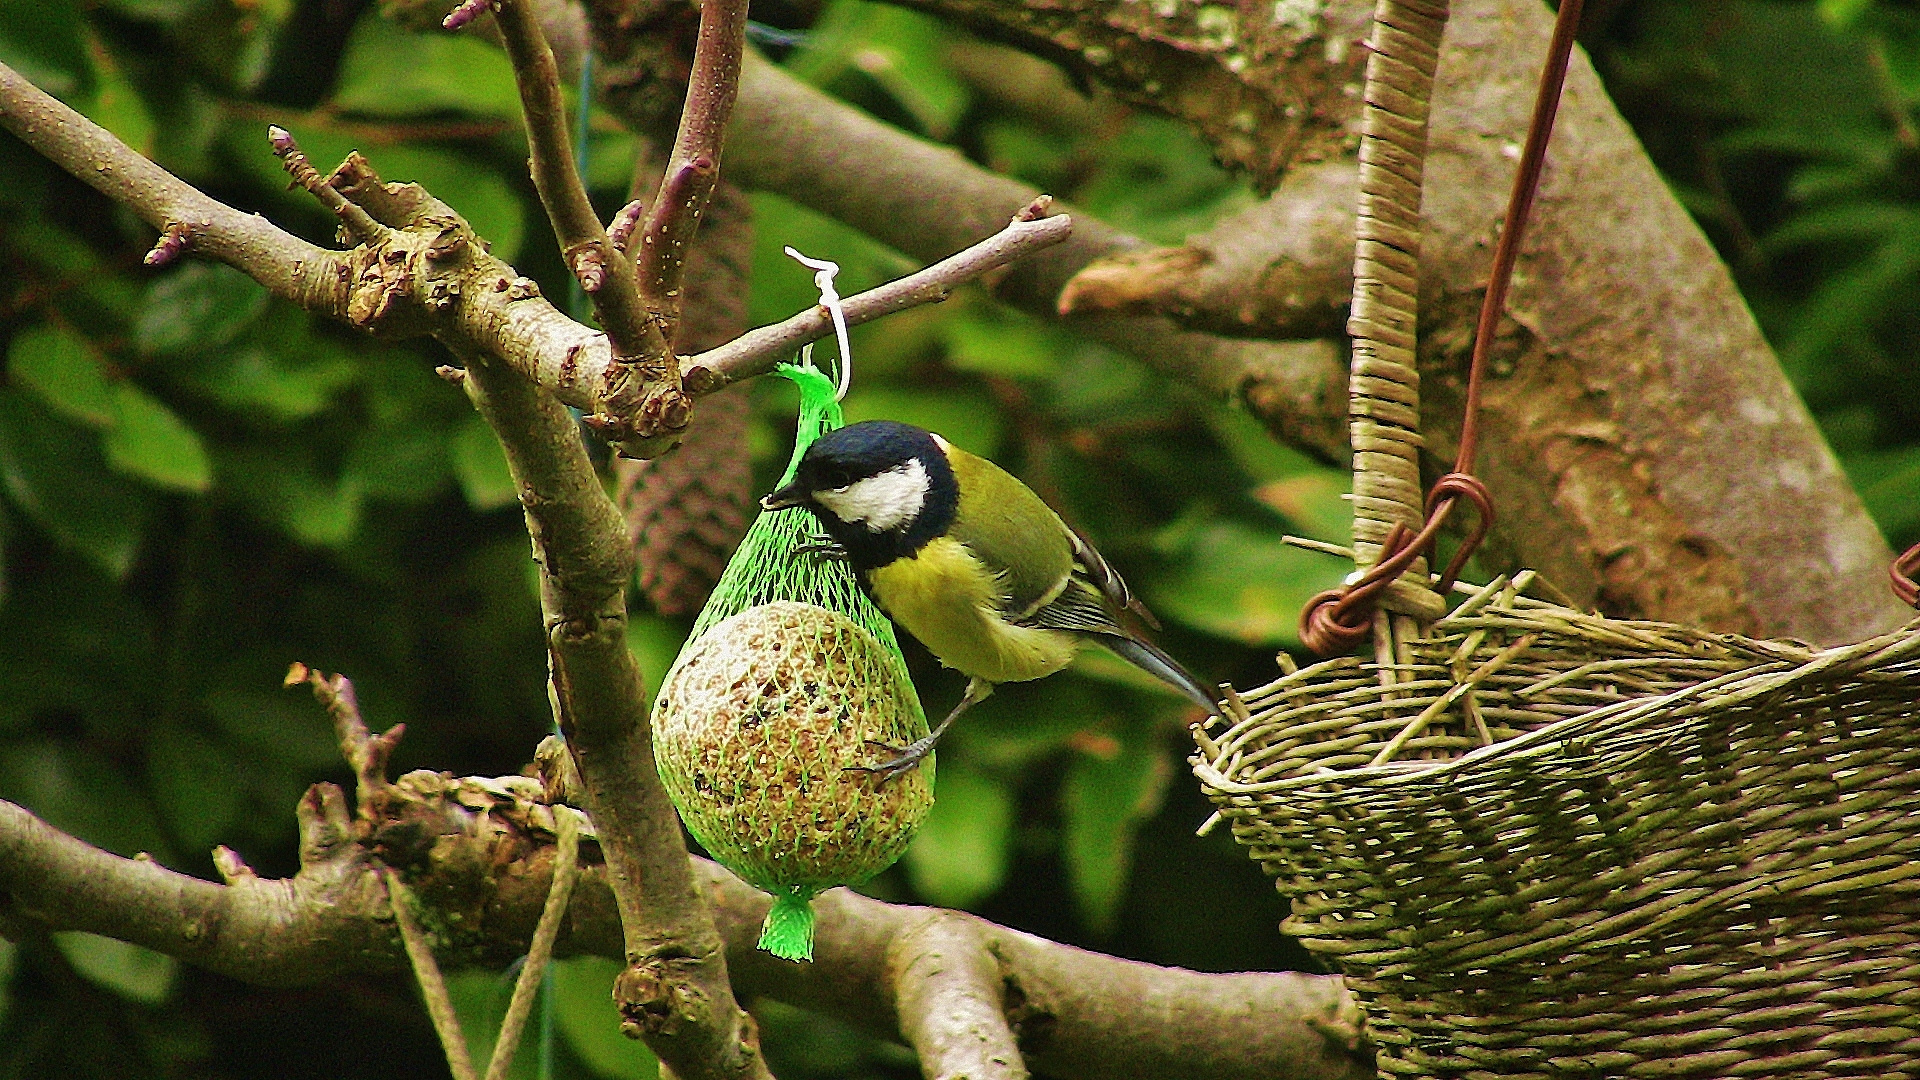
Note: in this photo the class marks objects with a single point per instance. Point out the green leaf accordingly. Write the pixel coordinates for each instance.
(991, 340)
(117, 106)
(1096, 385)
(1158, 179)
(388, 71)
(282, 379)
(78, 791)
(269, 725)
(1025, 151)
(479, 1000)
(1841, 14)
(9, 960)
(782, 286)
(1103, 801)
(73, 643)
(582, 990)
(1308, 494)
(654, 641)
(196, 785)
(481, 466)
(54, 472)
(960, 855)
(166, 11)
(1889, 483)
(43, 43)
(610, 156)
(283, 487)
(128, 970)
(148, 441)
(1233, 581)
(1850, 300)
(1022, 723)
(197, 306)
(805, 1045)
(901, 51)
(60, 366)
(406, 463)
(1850, 224)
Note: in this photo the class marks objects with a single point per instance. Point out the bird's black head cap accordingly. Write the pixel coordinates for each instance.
(880, 488)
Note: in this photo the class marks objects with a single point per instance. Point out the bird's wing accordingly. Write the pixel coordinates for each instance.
(1080, 608)
(1101, 575)
(1005, 525)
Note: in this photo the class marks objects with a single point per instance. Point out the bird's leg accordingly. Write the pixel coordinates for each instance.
(908, 757)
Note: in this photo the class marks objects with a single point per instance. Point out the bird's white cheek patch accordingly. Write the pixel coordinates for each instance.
(881, 502)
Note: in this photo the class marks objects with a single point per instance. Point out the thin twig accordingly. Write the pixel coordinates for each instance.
(609, 280)
(756, 351)
(693, 169)
(366, 752)
(566, 869)
(358, 223)
(427, 972)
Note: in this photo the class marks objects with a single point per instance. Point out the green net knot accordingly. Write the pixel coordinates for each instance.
(819, 410)
(788, 930)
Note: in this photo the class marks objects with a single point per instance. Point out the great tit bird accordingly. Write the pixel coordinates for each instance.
(970, 561)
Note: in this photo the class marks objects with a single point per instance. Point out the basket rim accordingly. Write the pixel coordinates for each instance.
(1731, 688)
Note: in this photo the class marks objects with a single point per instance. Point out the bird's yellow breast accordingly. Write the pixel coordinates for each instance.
(952, 603)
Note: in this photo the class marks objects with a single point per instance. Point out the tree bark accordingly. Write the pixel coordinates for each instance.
(479, 852)
(1647, 453)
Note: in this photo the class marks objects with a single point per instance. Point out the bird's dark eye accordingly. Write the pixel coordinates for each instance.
(836, 478)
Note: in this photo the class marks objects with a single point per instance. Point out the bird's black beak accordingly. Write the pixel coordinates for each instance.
(791, 495)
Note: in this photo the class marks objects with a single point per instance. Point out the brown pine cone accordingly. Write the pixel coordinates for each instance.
(686, 511)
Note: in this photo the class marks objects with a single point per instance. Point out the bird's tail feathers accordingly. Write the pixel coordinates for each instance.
(1152, 659)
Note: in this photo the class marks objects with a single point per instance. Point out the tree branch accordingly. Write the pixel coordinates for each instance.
(1268, 87)
(693, 168)
(674, 992)
(482, 852)
(644, 401)
(949, 996)
(756, 351)
(288, 266)
(927, 200)
(1608, 437)
(1282, 268)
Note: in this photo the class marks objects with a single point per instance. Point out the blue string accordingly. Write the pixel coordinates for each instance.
(761, 34)
(577, 296)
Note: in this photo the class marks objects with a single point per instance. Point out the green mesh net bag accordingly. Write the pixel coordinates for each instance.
(788, 675)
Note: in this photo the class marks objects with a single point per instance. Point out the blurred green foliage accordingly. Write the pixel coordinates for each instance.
(199, 483)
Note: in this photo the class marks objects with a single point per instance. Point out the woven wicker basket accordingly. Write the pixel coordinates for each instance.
(1543, 843)
(1662, 852)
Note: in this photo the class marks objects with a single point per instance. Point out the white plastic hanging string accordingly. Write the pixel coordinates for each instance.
(823, 272)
